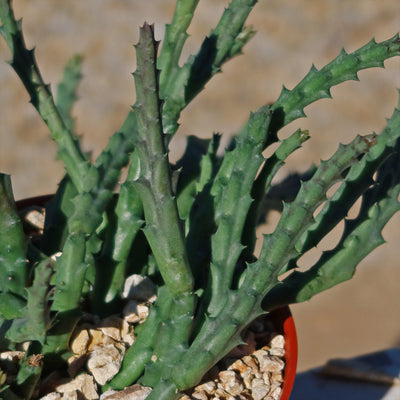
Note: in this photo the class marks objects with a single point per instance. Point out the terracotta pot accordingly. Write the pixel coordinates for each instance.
(282, 319)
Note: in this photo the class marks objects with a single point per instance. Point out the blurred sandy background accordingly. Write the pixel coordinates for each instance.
(357, 317)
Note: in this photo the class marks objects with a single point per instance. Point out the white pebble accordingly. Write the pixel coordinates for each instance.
(83, 383)
(278, 341)
(259, 389)
(275, 394)
(134, 392)
(80, 342)
(231, 382)
(268, 363)
(104, 363)
(52, 396)
(135, 313)
(140, 288)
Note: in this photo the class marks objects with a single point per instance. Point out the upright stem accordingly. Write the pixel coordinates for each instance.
(163, 229)
(13, 244)
(174, 39)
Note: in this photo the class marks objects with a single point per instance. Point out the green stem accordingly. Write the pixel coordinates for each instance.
(58, 210)
(13, 244)
(232, 186)
(30, 370)
(174, 39)
(221, 332)
(70, 277)
(66, 90)
(218, 335)
(224, 42)
(35, 320)
(125, 221)
(317, 83)
(262, 185)
(357, 182)
(279, 247)
(361, 236)
(162, 230)
(171, 340)
(140, 353)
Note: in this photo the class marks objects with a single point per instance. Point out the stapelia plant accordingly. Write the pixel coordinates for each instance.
(190, 227)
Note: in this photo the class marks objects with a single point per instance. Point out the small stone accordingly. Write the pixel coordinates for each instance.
(97, 339)
(108, 395)
(275, 394)
(127, 333)
(34, 216)
(255, 370)
(208, 387)
(52, 396)
(135, 392)
(13, 356)
(222, 394)
(239, 366)
(104, 363)
(231, 382)
(259, 389)
(276, 351)
(25, 345)
(135, 313)
(274, 385)
(140, 288)
(277, 346)
(111, 327)
(80, 342)
(278, 342)
(268, 363)
(266, 378)
(56, 255)
(199, 395)
(71, 395)
(82, 383)
(277, 377)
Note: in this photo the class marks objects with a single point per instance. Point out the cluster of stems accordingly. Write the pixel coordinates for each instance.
(189, 226)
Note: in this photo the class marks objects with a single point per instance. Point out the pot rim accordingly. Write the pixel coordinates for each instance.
(285, 324)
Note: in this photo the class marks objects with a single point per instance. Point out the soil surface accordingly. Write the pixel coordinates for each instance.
(357, 317)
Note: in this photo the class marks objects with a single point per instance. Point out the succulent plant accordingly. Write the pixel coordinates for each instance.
(190, 226)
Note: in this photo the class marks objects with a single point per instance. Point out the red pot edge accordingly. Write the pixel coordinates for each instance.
(282, 317)
(286, 326)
